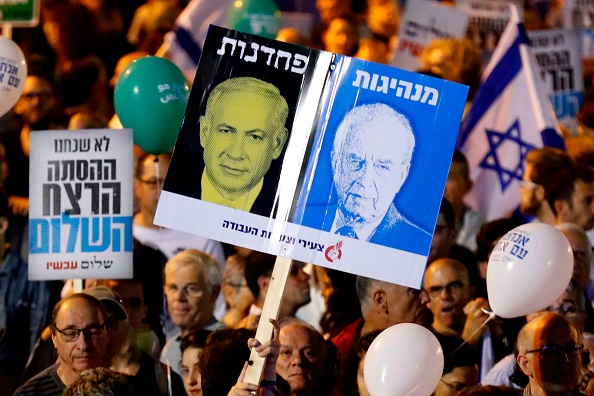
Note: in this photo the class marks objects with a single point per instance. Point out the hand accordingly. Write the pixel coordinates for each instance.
(269, 349)
(243, 388)
(19, 205)
(475, 318)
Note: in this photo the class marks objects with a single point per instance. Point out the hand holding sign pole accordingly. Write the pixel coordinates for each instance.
(528, 269)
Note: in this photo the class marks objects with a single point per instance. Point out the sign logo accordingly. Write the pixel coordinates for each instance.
(333, 252)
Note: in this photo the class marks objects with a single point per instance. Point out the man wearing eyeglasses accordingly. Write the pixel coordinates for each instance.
(456, 313)
(192, 284)
(549, 353)
(148, 183)
(571, 304)
(80, 338)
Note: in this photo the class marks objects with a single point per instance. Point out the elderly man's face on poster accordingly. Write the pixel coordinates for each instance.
(240, 140)
(370, 169)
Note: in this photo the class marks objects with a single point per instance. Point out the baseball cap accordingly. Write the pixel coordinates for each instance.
(110, 299)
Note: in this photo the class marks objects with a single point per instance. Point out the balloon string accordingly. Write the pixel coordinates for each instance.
(159, 181)
(491, 316)
(157, 173)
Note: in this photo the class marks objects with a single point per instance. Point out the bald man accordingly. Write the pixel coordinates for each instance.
(549, 353)
(456, 313)
(448, 286)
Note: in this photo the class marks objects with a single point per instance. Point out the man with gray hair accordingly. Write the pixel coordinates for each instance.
(371, 158)
(192, 284)
(242, 131)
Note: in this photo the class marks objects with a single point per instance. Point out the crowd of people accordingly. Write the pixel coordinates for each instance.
(185, 322)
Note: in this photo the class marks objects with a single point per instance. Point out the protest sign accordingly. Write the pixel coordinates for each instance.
(80, 204)
(423, 22)
(578, 14)
(488, 19)
(238, 176)
(559, 56)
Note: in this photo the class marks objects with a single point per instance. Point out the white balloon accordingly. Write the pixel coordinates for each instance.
(13, 73)
(528, 270)
(404, 360)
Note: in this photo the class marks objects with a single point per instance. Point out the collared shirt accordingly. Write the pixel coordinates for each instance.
(245, 202)
(364, 230)
(171, 354)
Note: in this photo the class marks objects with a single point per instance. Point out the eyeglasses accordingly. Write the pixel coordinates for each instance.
(456, 386)
(236, 285)
(152, 183)
(565, 309)
(296, 268)
(191, 290)
(555, 350)
(42, 96)
(94, 331)
(529, 184)
(132, 302)
(435, 291)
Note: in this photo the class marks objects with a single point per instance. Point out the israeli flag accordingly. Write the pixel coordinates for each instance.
(511, 114)
(183, 45)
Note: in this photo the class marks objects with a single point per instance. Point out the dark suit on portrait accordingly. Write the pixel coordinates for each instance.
(393, 224)
(394, 231)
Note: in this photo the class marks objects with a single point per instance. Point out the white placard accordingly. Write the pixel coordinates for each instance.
(423, 22)
(559, 56)
(80, 204)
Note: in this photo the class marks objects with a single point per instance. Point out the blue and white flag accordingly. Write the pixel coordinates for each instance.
(510, 116)
(183, 45)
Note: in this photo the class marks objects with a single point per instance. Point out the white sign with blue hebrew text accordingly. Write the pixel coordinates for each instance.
(80, 204)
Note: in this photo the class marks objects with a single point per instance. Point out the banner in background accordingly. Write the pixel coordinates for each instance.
(423, 22)
(559, 56)
(488, 19)
(80, 204)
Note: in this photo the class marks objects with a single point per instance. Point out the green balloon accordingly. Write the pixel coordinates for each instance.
(151, 97)
(260, 17)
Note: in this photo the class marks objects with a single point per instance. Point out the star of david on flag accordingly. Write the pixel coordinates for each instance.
(491, 161)
(511, 114)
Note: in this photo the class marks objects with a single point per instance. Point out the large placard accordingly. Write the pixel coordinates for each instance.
(488, 19)
(368, 147)
(80, 204)
(559, 56)
(423, 22)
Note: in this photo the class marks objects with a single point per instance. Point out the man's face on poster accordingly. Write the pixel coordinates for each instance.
(240, 139)
(371, 168)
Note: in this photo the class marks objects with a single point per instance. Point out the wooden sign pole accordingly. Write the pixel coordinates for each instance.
(274, 296)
